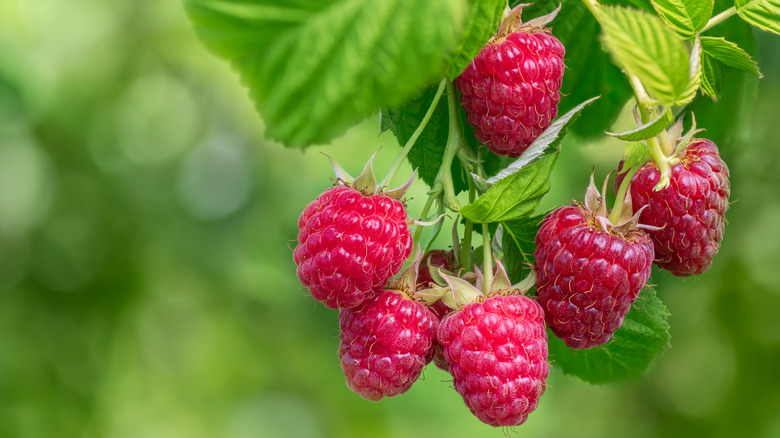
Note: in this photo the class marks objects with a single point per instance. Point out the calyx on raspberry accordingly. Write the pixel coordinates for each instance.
(351, 239)
(496, 350)
(510, 91)
(590, 271)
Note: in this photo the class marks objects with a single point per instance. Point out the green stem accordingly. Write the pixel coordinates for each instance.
(465, 249)
(657, 154)
(666, 143)
(423, 216)
(413, 139)
(719, 18)
(592, 6)
(617, 209)
(454, 143)
(487, 258)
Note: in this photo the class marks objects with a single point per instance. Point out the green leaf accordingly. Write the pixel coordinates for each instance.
(514, 196)
(764, 14)
(643, 336)
(687, 17)
(427, 152)
(316, 67)
(635, 154)
(729, 54)
(481, 23)
(644, 46)
(650, 129)
(518, 244)
(712, 74)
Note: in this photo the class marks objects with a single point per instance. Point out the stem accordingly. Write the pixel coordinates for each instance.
(487, 258)
(592, 6)
(465, 249)
(455, 142)
(643, 100)
(413, 139)
(617, 209)
(666, 143)
(720, 17)
(654, 149)
(423, 217)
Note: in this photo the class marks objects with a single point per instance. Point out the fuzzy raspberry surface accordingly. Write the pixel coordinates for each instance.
(349, 244)
(588, 278)
(385, 343)
(511, 90)
(691, 210)
(497, 354)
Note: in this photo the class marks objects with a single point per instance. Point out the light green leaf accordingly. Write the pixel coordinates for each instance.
(730, 54)
(712, 73)
(643, 45)
(687, 17)
(481, 23)
(643, 336)
(764, 14)
(316, 67)
(515, 196)
(635, 154)
(649, 129)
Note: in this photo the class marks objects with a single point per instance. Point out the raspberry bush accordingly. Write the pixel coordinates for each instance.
(480, 98)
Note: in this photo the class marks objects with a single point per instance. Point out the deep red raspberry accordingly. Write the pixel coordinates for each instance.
(511, 90)
(497, 351)
(691, 210)
(385, 343)
(588, 278)
(350, 244)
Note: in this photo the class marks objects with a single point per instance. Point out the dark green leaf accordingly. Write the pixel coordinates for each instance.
(764, 14)
(315, 68)
(644, 46)
(514, 196)
(649, 129)
(481, 23)
(687, 17)
(643, 336)
(729, 53)
(518, 245)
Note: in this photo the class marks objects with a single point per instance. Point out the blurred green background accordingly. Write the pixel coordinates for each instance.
(147, 287)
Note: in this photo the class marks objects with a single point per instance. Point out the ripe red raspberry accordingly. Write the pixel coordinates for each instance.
(588, 276)
(511, 90)
(497, 351)
(385, 343)
(350, 244)
(691, 209)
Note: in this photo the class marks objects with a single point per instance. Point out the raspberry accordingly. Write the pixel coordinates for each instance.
(349, 244)
(588, 276)
(497, 351)
(691, 209)
(385, 343)
(511, 90)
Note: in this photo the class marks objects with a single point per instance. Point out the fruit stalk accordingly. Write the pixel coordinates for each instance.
(720, 18)
(487, 258)
(617, 209)
(413, 139)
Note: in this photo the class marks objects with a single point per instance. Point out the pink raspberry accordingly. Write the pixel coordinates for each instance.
(349, 244)
(691, 210)
(511, 90)
(497, 354)
(384, 344)
(587, 276)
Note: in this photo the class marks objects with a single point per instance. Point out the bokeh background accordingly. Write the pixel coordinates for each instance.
(147, 287)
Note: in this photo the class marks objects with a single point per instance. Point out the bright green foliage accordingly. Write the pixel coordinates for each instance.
(643, 336)
(315, 68)
(635, 154)
(481, 23)
(764, 14)
(729, 54)
(644, 46)
(687, 17)
(518, 245)
(649, 129)
(713, 72)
